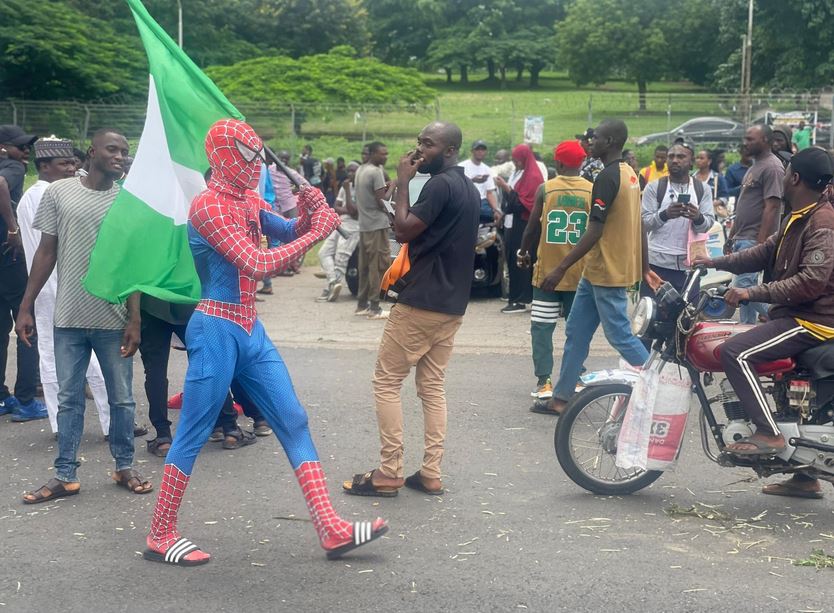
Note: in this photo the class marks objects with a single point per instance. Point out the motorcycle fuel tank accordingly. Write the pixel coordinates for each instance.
(703, 347)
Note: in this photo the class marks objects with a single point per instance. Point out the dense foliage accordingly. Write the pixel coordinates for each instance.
(89, 49)
(336, 76)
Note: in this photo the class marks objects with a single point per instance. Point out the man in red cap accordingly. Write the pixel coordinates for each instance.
(561, 209)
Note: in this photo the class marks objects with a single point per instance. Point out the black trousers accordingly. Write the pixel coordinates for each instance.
(775, 339)
(521, 279)
(155, 349)
(13, 279)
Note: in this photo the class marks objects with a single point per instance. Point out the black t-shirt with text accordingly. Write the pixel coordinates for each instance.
(443, 256)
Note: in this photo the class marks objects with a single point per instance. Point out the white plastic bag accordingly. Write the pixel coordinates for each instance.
(655, 419)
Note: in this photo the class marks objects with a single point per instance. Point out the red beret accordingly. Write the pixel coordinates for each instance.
(570, 153)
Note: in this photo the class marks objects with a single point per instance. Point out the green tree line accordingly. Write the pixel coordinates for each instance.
(89, 50)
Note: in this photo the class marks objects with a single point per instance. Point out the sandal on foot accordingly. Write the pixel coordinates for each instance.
(788, 488)
(363, 533)
(415, 482)
(238, 438)
(132, 481)
(159, 447)
(54, 488)
(543, 407)
(262, 428)
(176, 553)
(761, 448)
(362, 485)
(139, 430)
(216, 435)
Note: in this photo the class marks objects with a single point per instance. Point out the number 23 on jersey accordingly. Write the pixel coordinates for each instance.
(565, 228)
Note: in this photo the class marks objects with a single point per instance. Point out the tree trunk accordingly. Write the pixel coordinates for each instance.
(503, 71)
(520, 73)
(535, 69)
(642, 86)
(491, 70)
(464, 73)
(448, 75)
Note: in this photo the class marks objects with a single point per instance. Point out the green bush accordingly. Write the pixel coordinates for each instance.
(334, 77)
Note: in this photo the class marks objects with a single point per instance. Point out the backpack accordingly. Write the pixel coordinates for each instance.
(663, 185)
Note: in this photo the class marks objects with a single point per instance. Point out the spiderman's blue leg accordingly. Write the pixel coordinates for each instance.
(213, 346)
(264, 376)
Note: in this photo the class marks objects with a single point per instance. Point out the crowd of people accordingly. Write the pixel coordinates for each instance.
(577, 237)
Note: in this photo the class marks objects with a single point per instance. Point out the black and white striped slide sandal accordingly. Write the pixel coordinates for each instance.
(363, 533)
(176, 554)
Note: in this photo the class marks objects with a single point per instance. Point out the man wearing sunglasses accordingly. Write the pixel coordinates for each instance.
(14, 151)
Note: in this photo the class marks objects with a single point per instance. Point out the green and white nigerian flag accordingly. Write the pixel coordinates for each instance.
(142, 244)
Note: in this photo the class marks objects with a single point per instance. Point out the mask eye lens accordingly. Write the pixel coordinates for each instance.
(246, 152)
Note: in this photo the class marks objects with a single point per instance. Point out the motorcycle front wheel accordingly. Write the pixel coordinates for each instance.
(586, 442)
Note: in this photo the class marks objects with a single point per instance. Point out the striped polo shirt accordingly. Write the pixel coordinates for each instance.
(74, 213)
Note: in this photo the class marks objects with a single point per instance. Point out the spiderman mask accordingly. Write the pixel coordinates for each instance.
(235, 153)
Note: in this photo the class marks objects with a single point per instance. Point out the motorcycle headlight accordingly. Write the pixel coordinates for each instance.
(644, 316)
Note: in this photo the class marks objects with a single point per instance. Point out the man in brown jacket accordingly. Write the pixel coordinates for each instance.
(798, 261)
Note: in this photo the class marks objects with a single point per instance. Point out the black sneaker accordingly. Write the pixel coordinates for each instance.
(514, 307)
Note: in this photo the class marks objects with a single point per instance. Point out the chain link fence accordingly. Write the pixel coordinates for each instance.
(497, 117)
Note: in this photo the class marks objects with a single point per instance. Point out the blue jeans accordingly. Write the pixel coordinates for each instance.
(748, 313)
(72, 355)
(591, 306)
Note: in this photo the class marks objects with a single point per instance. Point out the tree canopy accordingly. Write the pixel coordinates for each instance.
(336, 76)
(89, 50)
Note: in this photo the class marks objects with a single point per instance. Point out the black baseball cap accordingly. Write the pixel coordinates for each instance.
(13, 135)
(479, 144)
(813, 164)
(588, 135)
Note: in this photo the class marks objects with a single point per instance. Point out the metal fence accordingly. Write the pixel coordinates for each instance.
(495, 116)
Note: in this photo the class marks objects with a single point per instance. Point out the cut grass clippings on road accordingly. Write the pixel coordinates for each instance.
(818, 559)
(699, 510)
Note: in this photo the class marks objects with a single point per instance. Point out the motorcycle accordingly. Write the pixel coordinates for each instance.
(490, 271)
(800, 389)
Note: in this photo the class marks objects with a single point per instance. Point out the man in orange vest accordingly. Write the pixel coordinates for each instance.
(658, 168)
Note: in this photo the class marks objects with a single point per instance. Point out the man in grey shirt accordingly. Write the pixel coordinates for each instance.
(374, 224)
(69, 218)
(671, 207)
(757, 209)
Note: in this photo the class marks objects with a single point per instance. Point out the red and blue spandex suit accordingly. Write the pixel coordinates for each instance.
(226, 340)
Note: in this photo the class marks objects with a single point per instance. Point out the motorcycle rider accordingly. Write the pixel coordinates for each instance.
(798, 261)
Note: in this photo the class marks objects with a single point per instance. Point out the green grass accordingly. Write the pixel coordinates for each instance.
(484, 111)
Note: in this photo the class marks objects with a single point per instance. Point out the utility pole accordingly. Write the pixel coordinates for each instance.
(179, 22)
(748, 59)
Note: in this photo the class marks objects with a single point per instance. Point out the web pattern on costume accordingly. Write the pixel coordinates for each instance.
(225, 226)
(224, 231)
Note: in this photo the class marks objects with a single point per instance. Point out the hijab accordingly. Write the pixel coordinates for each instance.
(531, 178)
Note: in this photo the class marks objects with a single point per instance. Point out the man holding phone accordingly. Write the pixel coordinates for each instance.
(672, 209)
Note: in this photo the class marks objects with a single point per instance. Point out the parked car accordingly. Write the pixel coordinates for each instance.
(699, 130)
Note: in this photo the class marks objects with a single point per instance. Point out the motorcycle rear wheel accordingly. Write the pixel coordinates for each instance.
(585, 441)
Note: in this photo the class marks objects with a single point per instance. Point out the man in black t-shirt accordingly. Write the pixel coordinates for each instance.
(440, 230)
(15, 145)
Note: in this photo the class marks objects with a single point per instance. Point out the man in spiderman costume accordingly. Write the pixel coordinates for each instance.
(226, 340)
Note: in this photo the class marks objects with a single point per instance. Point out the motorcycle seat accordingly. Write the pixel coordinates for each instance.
(819, 360)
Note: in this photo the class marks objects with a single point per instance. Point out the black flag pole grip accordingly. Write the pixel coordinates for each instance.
(270, 154)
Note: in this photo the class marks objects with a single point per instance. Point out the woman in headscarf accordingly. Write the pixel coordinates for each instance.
(519, 197)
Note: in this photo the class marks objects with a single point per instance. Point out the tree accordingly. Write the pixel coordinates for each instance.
(335, 77)
(600, 39)
(52, 51)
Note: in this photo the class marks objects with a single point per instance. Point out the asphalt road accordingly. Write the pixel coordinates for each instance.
(512, 533)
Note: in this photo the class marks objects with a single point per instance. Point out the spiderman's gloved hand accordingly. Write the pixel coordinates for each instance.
(323, 221)
(309, 200)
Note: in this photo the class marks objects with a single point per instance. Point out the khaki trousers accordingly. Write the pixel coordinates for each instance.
(425, 339)
(374, 260)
